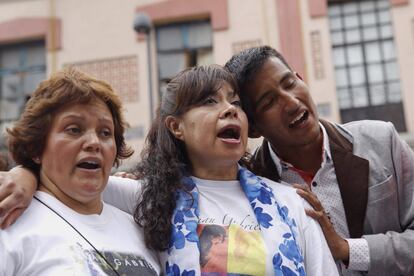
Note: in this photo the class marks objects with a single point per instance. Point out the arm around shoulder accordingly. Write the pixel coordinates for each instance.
(123, 193)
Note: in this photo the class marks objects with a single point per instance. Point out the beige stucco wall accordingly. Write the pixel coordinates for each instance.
(403, 24)
(94, 30)
(322, 89)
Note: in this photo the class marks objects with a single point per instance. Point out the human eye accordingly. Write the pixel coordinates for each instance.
(209, 101)
(266, 103)
(236, 102)
(73, 130)
(289, 83)
(106, 132)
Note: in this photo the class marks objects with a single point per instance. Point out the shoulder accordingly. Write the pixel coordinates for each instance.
(285, 193)
(368, 129)
(368, 126)
(377, 135)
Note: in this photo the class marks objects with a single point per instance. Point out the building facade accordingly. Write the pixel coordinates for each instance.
(356, 56)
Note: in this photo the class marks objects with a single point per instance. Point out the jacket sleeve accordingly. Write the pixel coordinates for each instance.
(392, 252)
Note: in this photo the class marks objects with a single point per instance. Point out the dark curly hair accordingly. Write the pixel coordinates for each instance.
(245, 65)
(164, 158)
(27, 137)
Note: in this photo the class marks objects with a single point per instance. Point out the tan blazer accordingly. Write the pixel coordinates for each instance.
(375, 173)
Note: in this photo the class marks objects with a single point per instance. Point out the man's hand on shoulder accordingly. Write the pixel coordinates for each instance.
(339, 247)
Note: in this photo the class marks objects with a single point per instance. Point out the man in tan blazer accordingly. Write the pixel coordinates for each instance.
(358, 177)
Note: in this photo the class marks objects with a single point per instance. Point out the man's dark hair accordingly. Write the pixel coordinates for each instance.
(245, 65)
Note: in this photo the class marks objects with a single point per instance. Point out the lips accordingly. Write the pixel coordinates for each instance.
(230, 134)
(299, 119)
(89, 163)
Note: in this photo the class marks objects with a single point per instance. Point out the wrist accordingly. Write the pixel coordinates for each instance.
(344, 252)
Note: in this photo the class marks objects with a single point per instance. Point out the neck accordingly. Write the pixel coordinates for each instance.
(307, 157)
(216, 173)
(90, 207)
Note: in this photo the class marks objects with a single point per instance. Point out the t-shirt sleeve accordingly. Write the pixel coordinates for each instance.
(122, 193)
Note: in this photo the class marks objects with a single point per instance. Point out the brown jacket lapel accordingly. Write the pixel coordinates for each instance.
(352, 173)
(262, 163)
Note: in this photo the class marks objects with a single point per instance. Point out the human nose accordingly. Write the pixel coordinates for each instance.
(291, 103)
(92, 142)
(229, 111)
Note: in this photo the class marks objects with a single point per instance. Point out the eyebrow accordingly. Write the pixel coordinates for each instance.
(233, 94)
(78, 117)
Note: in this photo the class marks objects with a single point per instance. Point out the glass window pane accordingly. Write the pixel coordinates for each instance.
(205, 57)
(337, 38)
(31, 80)
(386, 31)
(10, 58)
(391, 69)
(344, 98)
(341, 77)
(335, 23)
(375, 73)
(354, 54)
(383, 4)
(357, 75)
(378, 94)
(384, 16)
(35, 56)
(388, 49)
(394, 92)
(351, 21)
(11, 100)
(367, 5)
(171, 64)
(169, 38)
(373, 51)
(360, 96)
(350, 8)
(199, 35)
(339, 56)
(370, 33)
(353, 36)
(334, 10)
(368, 19)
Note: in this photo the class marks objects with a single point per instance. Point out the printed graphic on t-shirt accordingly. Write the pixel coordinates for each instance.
(231, 250)
(124, 264)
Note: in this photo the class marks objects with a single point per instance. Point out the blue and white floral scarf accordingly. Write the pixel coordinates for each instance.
(183, 255)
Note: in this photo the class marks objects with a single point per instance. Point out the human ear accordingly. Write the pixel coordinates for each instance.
(174, 126)
(37, 160)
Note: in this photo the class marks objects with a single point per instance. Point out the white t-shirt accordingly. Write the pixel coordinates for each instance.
(232, 242)
(42, 243)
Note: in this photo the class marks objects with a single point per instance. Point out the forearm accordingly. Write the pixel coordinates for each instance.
(17, 188)
(122, 193)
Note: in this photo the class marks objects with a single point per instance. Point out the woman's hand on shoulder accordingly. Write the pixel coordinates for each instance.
(17, 188)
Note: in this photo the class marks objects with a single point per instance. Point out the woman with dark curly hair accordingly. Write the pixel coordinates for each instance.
(193, 179)
(191, 176)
